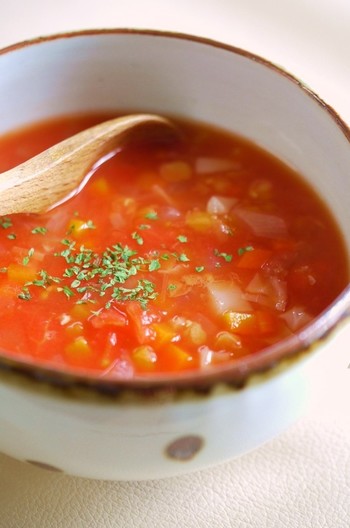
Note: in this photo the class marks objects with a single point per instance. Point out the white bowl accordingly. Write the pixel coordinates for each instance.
(161, 428)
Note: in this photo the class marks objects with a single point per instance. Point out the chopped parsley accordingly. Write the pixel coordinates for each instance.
(226, 256)
(39, 230)
(5, 222)
(182, 238)
(152, 215)
(243, 250)
(136, 236)
(27, 258)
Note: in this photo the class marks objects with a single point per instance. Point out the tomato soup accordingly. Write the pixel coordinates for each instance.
(171, 258)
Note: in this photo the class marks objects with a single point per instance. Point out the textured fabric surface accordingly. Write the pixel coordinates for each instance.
(302, 478)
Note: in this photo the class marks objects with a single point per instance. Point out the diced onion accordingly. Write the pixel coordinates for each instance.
(210, 165)
(263, 224)
(220, 204)
(296, 318)
(205, 356)
(226, 295)
(268, 291)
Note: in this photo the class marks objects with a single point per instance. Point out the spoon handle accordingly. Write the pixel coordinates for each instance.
(56, 174)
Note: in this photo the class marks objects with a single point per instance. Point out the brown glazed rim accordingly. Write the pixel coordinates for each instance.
(283, 354)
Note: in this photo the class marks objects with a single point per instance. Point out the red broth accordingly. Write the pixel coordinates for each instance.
(170, 259)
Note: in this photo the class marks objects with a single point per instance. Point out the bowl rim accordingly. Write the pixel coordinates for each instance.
(237, 373)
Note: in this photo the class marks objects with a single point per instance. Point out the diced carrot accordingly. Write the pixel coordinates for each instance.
(177, 358)
(254, 259)
(21, 274)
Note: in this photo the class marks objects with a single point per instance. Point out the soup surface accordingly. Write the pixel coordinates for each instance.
(171, 258)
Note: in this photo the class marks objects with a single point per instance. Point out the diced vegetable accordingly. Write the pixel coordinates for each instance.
(21, 274)
(212, 165)
(227, 295)
(177, 358)
(175, 171)
(78, 350)
(254, 258)
(267, 290)
(263, 224)
(296, 318)
(201, 221)
(220, 205)
(144, 358)
(250, 324)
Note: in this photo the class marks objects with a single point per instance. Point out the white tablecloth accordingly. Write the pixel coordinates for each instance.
(301, 479)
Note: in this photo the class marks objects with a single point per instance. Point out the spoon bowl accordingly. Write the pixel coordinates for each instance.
(58, 173)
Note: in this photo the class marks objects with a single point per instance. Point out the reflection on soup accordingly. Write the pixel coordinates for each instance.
(170, 259)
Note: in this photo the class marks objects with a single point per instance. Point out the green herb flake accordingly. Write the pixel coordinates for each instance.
(182, 238)
(183, 257)
(12, 236)
(226, 256)
(243, 250)
(90, 225)
(136, 236)
(152, 215)
(144, 226)
(39, 230)
(154, 265)
(24, 295)
(27, 258)
(199, 269)
(172, 287)
(5, 222)
(66, 290)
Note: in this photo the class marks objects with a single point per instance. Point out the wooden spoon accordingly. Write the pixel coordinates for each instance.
(61, 171)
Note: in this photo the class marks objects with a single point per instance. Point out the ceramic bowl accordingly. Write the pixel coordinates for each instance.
(165, 427)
